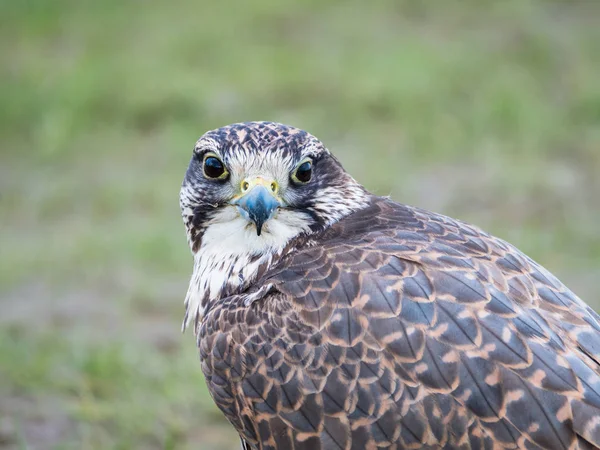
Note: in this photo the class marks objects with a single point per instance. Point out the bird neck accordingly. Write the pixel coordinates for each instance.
(231, 257)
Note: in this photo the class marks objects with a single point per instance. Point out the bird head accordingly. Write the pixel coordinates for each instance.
(262, 184)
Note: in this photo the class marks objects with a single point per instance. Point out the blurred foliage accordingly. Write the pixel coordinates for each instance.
(488, 111)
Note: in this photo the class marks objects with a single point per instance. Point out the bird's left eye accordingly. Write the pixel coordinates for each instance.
(214, 168)
(303, 173)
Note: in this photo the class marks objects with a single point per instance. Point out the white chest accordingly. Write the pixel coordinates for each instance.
(232, 254)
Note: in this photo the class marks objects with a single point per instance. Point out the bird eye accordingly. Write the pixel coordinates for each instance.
(214, 168)
(303, 173)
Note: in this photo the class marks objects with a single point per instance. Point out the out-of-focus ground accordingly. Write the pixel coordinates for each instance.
(486, 111)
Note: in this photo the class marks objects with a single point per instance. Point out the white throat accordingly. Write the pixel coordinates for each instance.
(231, 255)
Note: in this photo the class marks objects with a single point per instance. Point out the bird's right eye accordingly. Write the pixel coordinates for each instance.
(214, 168)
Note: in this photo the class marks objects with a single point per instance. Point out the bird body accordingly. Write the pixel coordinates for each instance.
(354, 322)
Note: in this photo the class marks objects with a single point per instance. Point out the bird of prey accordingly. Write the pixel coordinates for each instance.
(330, 318)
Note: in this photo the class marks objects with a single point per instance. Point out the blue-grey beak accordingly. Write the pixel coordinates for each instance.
(258, 205)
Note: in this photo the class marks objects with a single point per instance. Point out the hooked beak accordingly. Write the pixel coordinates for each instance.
(257, 202)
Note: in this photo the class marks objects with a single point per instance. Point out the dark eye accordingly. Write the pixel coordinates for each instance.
(303, 173)
(214, 168)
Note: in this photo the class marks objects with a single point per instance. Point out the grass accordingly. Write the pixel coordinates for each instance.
(488, 113)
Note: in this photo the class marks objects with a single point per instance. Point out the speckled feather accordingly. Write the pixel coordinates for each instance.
(400, 328)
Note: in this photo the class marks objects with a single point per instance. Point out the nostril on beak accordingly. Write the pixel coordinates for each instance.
(257, 203)
(245, 186)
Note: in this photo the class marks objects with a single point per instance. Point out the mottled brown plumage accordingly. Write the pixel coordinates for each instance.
(399, 328)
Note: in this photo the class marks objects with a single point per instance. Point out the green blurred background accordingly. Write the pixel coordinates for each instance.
(487, 111)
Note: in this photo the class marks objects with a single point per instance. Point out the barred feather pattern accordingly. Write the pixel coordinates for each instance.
(400, 328)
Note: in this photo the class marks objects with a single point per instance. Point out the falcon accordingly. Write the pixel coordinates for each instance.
(330, 318)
